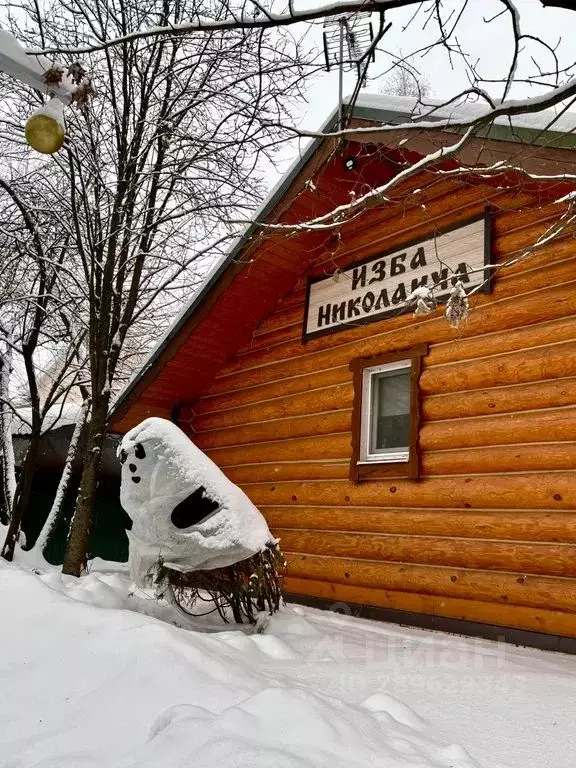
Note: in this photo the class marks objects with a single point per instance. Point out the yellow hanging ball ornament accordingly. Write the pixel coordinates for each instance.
(45, 128)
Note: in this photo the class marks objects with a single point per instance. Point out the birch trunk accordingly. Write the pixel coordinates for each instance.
(58, 504)
(81, 525)
(7, 471)
(22, 497)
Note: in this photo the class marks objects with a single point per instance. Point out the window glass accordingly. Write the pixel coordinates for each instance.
(390, 410)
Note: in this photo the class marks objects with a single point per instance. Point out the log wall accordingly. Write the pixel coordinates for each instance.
(489, 532)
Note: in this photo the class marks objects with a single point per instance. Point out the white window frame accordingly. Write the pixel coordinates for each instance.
(386, 455)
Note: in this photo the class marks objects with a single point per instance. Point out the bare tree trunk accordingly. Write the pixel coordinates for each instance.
(7, 473)
(23, 493)
(129, 196)
(28, 469)
(58, 504)
(4, 506)
(5, 497)
(81, 526)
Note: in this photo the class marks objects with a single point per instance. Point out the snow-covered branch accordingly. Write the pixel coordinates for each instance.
(428, 118)
(254, 19)
(345, 212)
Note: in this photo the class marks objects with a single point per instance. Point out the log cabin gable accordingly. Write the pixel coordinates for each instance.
(485, 533)
(245, 292)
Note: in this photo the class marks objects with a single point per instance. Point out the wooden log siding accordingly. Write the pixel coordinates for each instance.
(489, 532)
(514, 302)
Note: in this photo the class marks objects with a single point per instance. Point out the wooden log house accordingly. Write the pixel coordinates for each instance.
(423, 471)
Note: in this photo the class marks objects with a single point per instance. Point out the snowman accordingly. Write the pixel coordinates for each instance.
(186, 514)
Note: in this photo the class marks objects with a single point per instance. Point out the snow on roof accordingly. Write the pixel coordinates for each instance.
(397, 109)
(59, 415)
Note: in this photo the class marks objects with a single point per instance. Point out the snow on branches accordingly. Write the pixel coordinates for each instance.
(457, 306)
(424, 300)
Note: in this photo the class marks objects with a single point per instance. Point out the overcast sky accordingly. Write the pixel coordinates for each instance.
(489, 46)
(487, 43)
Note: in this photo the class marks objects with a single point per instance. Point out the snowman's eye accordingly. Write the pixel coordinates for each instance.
(195, 508)
(123, 456)
(139, 451)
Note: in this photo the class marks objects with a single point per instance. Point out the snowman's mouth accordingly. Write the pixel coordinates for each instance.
(194, 509)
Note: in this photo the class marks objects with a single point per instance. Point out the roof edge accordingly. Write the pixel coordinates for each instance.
(495, 131)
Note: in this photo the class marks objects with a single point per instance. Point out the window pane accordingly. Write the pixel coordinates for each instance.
(390, 410)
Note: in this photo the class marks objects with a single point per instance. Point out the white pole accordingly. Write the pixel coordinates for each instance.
(30, 69)
(341, 78)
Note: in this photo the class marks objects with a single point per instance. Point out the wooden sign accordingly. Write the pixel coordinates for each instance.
(381, 286)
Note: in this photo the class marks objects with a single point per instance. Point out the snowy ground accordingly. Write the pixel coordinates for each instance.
(88, 680)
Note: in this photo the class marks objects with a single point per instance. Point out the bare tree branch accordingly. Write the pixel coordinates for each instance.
(233, 21)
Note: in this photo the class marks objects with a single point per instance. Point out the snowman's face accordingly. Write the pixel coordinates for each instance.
(150, 483)
(182, 505)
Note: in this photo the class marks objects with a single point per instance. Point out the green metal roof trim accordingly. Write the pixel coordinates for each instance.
(530, 128)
